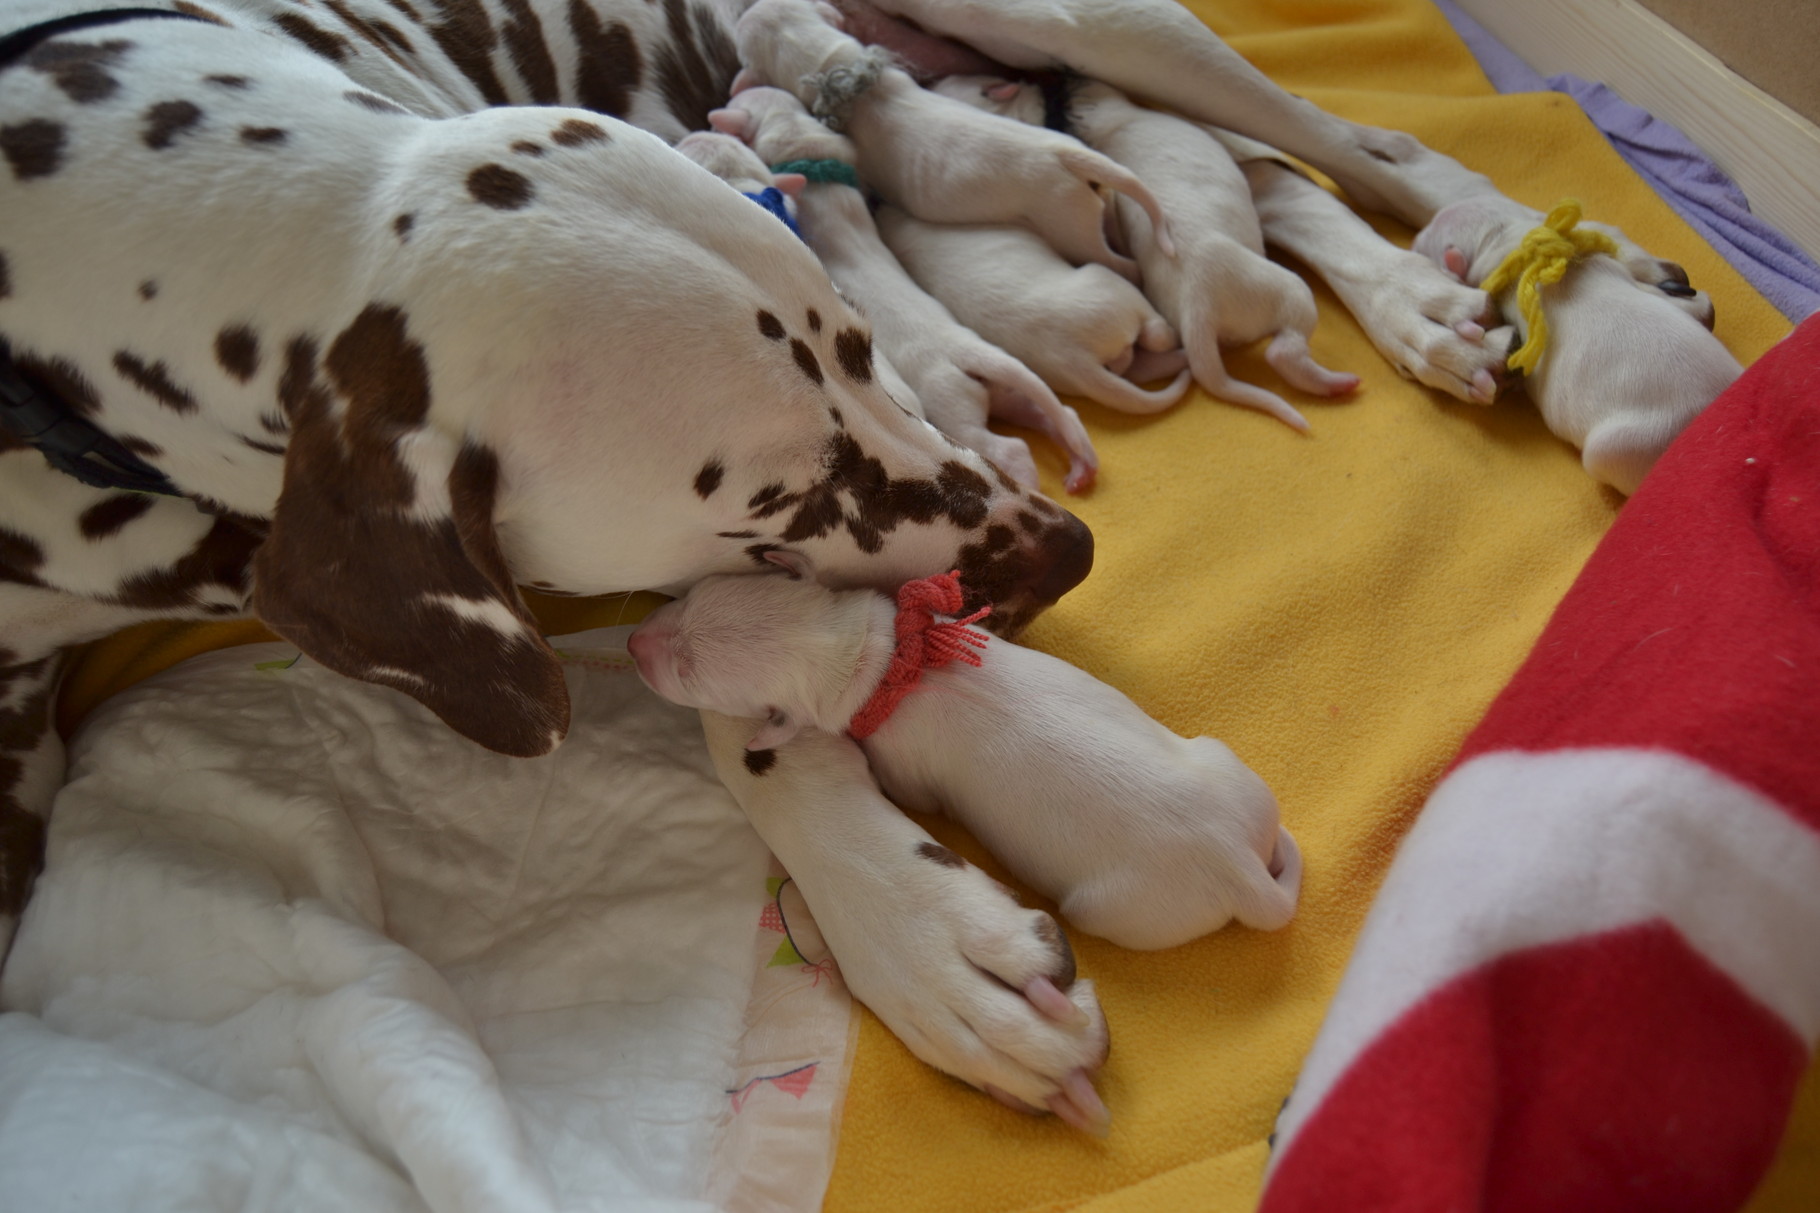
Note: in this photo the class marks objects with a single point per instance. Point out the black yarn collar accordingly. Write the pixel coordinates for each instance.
(28, 408)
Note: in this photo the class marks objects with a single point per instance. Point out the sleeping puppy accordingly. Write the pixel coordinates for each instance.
(1624, 369)
(1148, 839)
(1218, 288)
(1083, 328)
(738, 165)
(939, 160)
(958, 377)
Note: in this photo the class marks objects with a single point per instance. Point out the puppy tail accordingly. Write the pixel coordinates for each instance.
(1210, 373)
(1018, 396)
(1268, 898)
(1099, 171)
(1101, 385)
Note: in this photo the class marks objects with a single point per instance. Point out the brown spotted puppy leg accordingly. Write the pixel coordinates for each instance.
(77, 563)
(973, 983)
(31, 767)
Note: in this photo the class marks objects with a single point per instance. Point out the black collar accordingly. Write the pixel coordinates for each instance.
(16, 46)
(1058, 98)
(28, 408)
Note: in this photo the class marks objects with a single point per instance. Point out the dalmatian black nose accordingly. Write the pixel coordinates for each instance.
(1070, 548)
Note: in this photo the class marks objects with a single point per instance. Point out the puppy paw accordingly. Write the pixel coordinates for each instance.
(979, 987)
(1434, 329)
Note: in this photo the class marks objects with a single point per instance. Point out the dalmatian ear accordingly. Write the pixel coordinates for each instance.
(792, 562)
(382, 562)
(730, 122)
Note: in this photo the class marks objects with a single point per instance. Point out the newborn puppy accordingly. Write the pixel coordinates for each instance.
(938, 159)
(1218, 288)
(1147, 839)
(1624, 368)
(737, 165)
(959, 377)
(1084, 329)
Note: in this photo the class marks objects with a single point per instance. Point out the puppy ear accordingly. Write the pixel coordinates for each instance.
(790, 183)
(382, 562)
(777, 729)
(730, 122)
(792, 562)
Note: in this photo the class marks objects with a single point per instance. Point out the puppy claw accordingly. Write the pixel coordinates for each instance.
(1079, 1105)
(1471, 330)
(1052, 1002)
(1484, 386)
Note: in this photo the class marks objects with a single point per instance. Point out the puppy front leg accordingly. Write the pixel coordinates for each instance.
(970, 981)
(1429, 326)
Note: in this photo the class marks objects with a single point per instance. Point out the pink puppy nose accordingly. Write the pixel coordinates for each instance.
(647, 645)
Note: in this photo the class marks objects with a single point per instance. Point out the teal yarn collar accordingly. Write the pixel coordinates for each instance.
(824, 172)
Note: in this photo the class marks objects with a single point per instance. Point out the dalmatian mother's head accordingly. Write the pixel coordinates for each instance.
(630, 377)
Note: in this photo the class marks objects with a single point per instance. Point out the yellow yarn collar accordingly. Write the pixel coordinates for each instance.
(1541, 260)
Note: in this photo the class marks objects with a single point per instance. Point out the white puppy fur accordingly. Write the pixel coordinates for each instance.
(943, 161)
(1084, 329)
(738, 165)
(958, 377)
(1625, 368)
(1217, 288)
(1148, 839)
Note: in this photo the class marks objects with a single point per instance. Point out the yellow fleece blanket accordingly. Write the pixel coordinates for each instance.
(1340, 609)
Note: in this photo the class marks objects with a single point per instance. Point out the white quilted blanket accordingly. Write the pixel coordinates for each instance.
(298, 946)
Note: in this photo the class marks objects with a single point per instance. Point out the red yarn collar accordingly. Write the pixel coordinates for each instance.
(922, 644)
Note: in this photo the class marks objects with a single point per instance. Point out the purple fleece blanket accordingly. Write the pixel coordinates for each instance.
(1674, 167)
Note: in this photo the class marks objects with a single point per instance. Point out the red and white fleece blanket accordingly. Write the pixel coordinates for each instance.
(1592, 978)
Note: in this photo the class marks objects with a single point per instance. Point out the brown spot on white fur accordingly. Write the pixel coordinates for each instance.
(154, 379)
(853, 350)
(696, 67)
(577, 132)
(609, 67)
(499, 187)
(166, 120)
(937, 853)
(80, 69)
(237, 350)
(33, 148)
(108, 516)
(760, 762)
(806, 361)
(330, 46)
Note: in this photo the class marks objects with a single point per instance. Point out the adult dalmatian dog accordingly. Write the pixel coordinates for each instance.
(408, 302)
